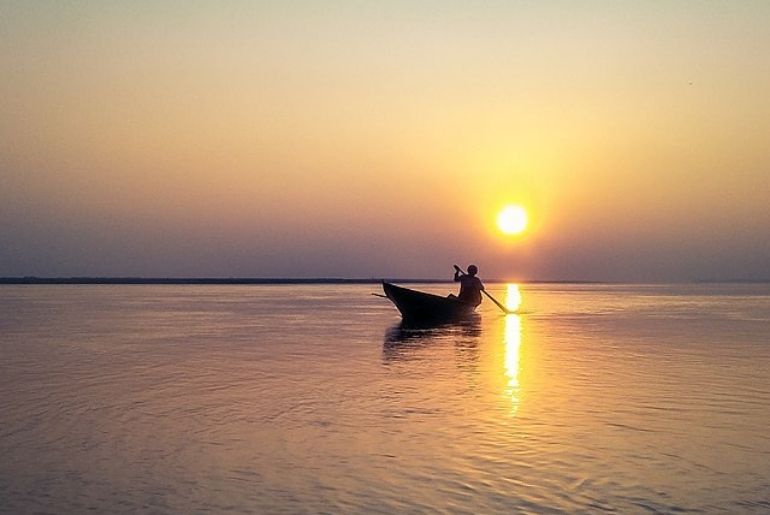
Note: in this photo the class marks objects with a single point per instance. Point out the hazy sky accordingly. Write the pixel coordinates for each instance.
(380, 139)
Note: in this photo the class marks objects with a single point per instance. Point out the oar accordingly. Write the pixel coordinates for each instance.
(503, 308)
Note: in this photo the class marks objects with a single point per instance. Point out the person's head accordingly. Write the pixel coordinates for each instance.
(473, 270)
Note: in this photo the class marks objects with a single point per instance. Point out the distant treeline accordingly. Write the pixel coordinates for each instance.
(286, 280)
(199, 280)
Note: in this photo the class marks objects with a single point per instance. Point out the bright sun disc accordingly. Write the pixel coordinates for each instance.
(512, 220)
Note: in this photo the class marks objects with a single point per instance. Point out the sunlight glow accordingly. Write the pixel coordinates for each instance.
(512, 340)
(513, 297)
(512, 219)
(512, 357)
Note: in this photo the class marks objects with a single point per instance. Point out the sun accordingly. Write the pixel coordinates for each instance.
(512, 219)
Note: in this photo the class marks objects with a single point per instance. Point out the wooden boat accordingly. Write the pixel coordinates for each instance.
(417, 305)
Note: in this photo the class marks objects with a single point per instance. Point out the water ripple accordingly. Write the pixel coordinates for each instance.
(316, 399)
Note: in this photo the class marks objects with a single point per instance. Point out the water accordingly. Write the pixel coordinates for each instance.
(308, 399)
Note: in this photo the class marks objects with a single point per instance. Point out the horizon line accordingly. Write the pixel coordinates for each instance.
(138, 280)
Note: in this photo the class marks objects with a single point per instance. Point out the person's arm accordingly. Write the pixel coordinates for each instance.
(481, 285)
(457, 276)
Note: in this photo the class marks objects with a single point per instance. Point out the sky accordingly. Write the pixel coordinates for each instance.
(380, 139)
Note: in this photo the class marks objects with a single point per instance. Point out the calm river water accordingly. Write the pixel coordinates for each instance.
(312, 399)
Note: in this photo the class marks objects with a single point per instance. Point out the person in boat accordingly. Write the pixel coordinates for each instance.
(470, 285)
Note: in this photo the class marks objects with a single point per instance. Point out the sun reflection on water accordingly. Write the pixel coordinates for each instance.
(513, 297)
(512, 341)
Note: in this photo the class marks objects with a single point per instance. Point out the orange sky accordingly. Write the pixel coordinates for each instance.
(367, 140)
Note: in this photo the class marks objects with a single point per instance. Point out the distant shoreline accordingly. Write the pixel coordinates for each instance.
(285, 280)
(237, 280)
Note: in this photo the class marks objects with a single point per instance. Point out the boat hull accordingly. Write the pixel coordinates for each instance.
(420, 306)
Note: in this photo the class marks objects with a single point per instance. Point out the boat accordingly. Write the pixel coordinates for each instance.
(420, 306)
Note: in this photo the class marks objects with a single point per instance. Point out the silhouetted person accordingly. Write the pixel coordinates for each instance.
(470, 285)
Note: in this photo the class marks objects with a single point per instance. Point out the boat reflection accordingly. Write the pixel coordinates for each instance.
(406, 337)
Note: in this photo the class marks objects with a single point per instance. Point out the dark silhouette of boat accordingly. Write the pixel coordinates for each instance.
(420, 306)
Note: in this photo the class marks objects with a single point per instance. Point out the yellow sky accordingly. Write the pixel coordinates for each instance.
(370, 139)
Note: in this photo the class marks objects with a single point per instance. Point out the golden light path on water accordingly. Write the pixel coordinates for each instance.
(512, 340)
